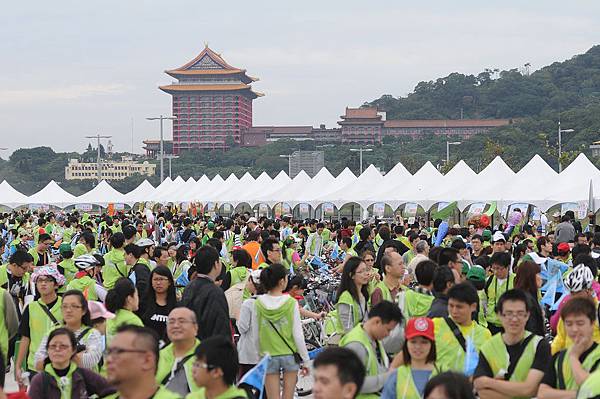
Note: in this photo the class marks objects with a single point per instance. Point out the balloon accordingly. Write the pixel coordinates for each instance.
(441, 233)
(484, 221)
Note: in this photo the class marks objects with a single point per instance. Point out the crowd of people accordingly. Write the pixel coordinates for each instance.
(164, 304)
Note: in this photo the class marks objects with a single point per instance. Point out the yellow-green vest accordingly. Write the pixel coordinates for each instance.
(40, 325)
(590, 388)
(166, 361)
(590, 361)
(496, 354)
(405, 385)
(358, 334)
(493, 297)
(450, 354)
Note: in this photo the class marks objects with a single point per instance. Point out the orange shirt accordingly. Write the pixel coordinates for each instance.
(253, 248)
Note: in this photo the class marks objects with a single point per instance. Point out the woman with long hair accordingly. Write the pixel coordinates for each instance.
(289, 254)
(528, 279)
(369, 258)
(160, 299)
(195, 245)
(352, 295)
(123, 301)
(519, 251)
(61, 377)
(76, 318)
(279, 333)
(419, 358)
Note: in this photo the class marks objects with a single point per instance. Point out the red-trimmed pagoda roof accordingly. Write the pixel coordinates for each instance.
(222, 87)
(209, 63)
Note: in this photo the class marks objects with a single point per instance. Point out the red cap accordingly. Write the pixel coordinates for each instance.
(563, 247)
(419, 327)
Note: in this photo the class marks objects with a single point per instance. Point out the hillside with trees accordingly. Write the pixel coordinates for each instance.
(568, 90)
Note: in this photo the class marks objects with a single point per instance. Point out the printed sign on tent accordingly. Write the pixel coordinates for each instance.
(378, 209)
(227, 208)
(476, 209)
(263, 209)
(522, 207)
(84, 207)
(119, 207)
(410, 209)
(535, 214)
(570, 206)
(303, 209)
(328, 208)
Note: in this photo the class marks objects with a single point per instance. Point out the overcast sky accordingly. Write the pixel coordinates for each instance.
(74, 68)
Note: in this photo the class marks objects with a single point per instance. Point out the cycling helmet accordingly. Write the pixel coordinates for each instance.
(85, 262)
(144, 242)
(581, 278)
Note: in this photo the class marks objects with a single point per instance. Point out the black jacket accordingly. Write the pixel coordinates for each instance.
(142, 282)
(208, 301)
(439, 306)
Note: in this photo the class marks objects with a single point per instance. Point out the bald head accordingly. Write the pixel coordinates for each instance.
(393, 265)
(182, 326)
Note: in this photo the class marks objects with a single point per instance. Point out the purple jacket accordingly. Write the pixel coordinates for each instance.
(85, 384)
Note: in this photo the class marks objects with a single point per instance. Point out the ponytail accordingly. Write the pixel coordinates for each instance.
(116, 297)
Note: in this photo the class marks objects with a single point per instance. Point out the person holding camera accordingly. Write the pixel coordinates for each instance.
(76, 318)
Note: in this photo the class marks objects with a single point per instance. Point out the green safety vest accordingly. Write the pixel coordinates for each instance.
(68, 234)
(450, 354)
(590, 389)
(79, 250)
(497, 356)
(167, 360)
(70, 269)
(483, 309)
(161, 393)
(283, 319)
(114, 267)
(563, 367)
(405, 385)
(65, 389)
(385, 291)
(122, 317)
(347, 299)
(86, 285)
(358, 334)
(36, 256)
(238, 274)
(416, 304)
(39, 326)
(493, 295)
(3, 330)
(4, 276)
(232, 393)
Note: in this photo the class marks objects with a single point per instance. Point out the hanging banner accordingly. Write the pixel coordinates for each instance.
(85, 207)
(522, 207)
(476, 209)
(442, 205)
(535, 214)
(410, 209)
(378, 209)
(227, 208)
(119, 207)
(328, 209)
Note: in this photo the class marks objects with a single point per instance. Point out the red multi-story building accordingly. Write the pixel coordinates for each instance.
(212, 101)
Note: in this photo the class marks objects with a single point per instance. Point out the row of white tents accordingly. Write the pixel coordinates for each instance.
(536, 184)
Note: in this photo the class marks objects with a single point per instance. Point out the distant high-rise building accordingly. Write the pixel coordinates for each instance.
(310, 162)
(212, 101)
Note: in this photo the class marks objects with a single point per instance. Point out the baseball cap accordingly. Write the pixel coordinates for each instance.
(210, 225)
(420, 327)
(252, 220)
(563, 247)
(487, 235)
(64, 248)
(97, 310)
(498, 236)
(476, 273)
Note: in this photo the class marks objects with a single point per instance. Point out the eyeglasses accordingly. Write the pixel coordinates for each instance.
(511, 315)
(160, 279)
(70, 307)
(200, 365)
(44, 280)
(179, 321)
(120, 351)
(58, 347)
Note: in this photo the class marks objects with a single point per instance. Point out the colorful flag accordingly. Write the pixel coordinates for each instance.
(256, 376)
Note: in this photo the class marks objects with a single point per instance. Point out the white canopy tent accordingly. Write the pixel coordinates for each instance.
(357, 191)
(345, 178)
(235, 193)
(450, 186)
(102, 195)
(139, 194)
(10, 197)
(281, 180)
(496, 174)
(52, 194)
(288, 192)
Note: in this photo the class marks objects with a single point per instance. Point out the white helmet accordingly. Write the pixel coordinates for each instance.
(85, 262)
(144, 242)
(581, 278)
